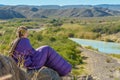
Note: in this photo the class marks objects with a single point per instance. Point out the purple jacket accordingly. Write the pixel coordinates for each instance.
(42, 56)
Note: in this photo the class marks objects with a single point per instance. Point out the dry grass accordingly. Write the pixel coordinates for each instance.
(80, 31)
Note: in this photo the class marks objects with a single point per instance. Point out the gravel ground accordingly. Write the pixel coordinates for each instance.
(101, 66)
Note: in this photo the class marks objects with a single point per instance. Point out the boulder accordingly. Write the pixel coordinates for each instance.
(10, 71)
(9, 67)
(44, 74)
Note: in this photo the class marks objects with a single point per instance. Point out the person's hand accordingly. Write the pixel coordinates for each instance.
(6, 77)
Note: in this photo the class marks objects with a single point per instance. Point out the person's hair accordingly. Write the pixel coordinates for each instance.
(21, 31)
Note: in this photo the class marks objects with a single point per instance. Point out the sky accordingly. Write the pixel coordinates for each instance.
(58, 2)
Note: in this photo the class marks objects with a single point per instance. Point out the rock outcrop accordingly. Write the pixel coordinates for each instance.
(44, 74)
(9, 69)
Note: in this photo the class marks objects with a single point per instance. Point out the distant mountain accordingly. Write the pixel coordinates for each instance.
(112, 7)
(25, 11)
(1, 5)
(50, 7)
(76, 6)
(109, 6)
(9, 14)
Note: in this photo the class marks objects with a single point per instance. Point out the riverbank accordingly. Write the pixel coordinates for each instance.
(102, 46)
(101, 66)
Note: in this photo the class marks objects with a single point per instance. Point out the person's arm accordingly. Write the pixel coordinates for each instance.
(28, 51)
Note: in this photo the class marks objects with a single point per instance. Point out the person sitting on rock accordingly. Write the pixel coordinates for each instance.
(34, 59)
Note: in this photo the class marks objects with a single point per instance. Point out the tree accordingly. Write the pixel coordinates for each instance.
(56, 22)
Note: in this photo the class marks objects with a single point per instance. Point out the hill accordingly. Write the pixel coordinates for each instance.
(112, 7)
(8, 14)
(34, 12)
(24, 11)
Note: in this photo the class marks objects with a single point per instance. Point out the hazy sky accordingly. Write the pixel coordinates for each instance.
(58, 2)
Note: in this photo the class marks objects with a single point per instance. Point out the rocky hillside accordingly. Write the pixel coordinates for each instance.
(23, 11)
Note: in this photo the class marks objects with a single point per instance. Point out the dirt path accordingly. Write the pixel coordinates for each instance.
(101, 66)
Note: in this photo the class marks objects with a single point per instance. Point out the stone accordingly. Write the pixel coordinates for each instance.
(9, 67)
